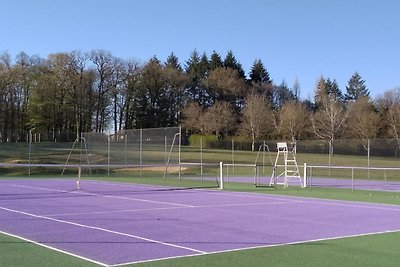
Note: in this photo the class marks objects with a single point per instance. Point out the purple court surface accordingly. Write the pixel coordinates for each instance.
(115, 224)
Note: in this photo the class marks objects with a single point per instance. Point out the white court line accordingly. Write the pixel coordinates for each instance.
(293, 199)
(104, 230)
(53, 190)
(53, 248)
(263, 246)
(282, 199)
(364, 205)
(172, 208)
(149, 201)
(321, 201)
(110, 211)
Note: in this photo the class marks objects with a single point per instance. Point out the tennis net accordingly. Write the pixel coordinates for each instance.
(179, 176)
(354, 177)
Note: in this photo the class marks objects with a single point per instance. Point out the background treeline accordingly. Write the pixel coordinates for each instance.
(68, 93)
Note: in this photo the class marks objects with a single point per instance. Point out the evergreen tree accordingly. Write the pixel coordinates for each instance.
(296, 89)
(204, 65)
(259, 74)
(356, 88)
(173, 62)
(215, 61)
(231, 62)
(196, 71)
(327, 88)
(282, 94)
(332, 89)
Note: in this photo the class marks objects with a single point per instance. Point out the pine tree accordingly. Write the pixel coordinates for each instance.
(173, 62)
(215, 61)
(296, 89)
(327, 88)
(196, 71)
(259, 74)
(231, 62)
(333, 90)
(356, 88)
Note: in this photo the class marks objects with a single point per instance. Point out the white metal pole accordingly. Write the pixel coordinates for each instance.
(221, 175)
(368, 147)
(179, 152)
(78, 182)
(201, 158)
(108, 153)
(305, 175)
(141, 151)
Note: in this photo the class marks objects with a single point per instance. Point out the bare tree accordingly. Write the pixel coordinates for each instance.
(294, 120)
(257, 116)
(389, 105)
(81, 93)
(105, 67)
(219, 118)
(329, 119)
(363, 120)
(192, 117)
(227, 85)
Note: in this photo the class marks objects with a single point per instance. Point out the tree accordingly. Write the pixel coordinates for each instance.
(219, 119)
(257, 118)
(81, 92)
(196, 71)
(329, 119)
(294, 120)
(215, 61)
(296, 89)
(389, 105)
(356, 88)
(173, 62)
(175, 81)
(117, 91)
(231, 62)
(327, 88)
(105, 65)
(192, 117)
(363, 120)
(131, 94)
(6, 82)
(281, 94)
(259, 74)
(225, 84)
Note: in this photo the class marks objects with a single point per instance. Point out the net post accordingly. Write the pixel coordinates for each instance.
(221, 175)
(305, 175)
(78, 181)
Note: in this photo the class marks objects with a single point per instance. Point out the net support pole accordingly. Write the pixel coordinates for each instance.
(78, 181)
(221, 175)
(305, 175)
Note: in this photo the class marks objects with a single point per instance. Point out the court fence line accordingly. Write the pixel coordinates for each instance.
(308, 172)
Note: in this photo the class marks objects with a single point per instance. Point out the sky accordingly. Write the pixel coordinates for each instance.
(295, 39)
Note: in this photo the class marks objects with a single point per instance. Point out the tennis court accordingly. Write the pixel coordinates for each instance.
(116, 223)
